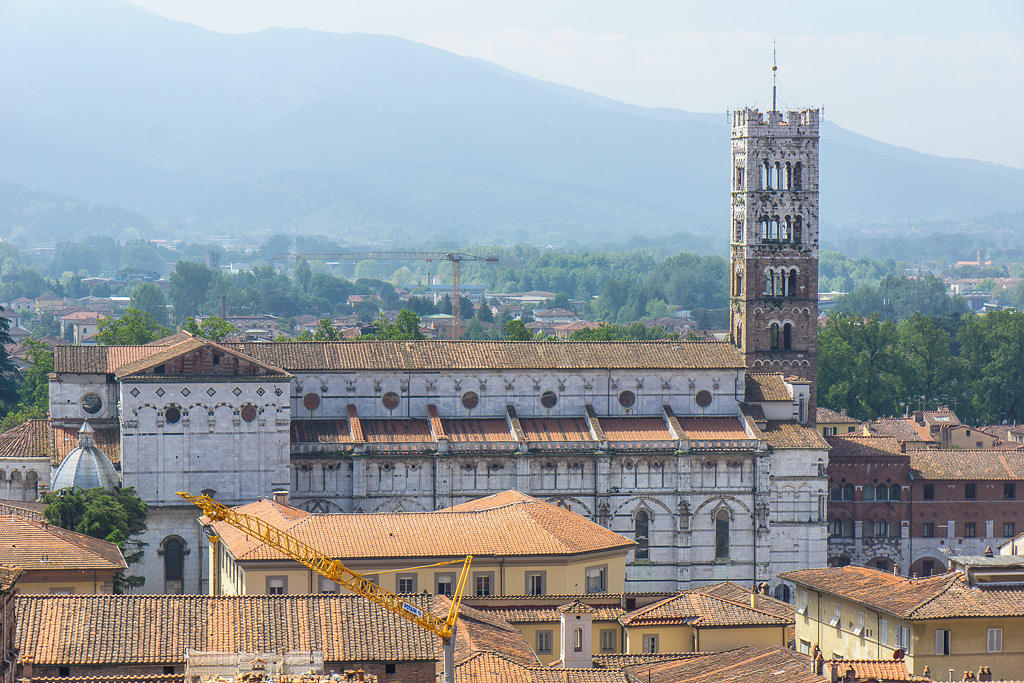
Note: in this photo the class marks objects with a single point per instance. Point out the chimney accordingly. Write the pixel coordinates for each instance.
(984, 674)
(969, 676)
(818, 666)
(764, 588)
(927, 673)
(755, 600)
(361, 675)
(26, 666)
(281, 497)
(988, 551)
(842, 411)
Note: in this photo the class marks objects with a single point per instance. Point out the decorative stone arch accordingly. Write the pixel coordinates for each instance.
(631, 504)
(918, 567)
(320, 505)
(400, 505)
(574, 504)
(719, 501)
(142, 406)
(173, 549)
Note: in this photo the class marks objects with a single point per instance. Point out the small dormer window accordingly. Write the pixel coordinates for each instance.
(216, 359)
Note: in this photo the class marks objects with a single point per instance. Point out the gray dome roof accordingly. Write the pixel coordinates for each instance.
(86, 466)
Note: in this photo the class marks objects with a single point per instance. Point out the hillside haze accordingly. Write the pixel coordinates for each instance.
(370, 136)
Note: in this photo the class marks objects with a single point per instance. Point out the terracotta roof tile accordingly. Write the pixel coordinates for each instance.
(890, 593)
(8, 577)
(320, 431)
(35, 545)
(992, 465)
(902, 428)
(70, 630)
(882, 670)
(555, 429)
(475, 355)
(476, 429)
(526, 526)
(98, 359)
(827, 416)
(113, 678)
(712, 428)
(635, 429)
(622, 660)
(396, 431)
(30, 439)
(720, 604)
(517, 615)
(792, 435)
(491, 667)
(480, 631)
(747, 664)
(65, 440)
(856, 446)
(765, 386)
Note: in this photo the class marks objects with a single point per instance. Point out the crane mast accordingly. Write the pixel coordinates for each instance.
(334, 570)
(454, 257)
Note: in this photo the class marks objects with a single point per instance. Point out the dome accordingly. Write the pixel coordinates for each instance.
(85, 467)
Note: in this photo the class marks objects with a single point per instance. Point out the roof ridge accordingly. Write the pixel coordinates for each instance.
(949, 583)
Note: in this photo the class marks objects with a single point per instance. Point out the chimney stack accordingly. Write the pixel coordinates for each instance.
(984, 674)
(281, 497)
(755, 600)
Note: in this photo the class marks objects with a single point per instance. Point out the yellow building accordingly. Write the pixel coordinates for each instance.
(970, 616)
(835, 423)
(55, 560)
(520, 546)
(712, 618)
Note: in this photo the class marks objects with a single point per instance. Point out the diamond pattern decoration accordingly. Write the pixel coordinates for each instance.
(134, 392)
(211, 391)
(260, 391)
(185, 391)
(278, 392)
(236, 391)
(160, 391)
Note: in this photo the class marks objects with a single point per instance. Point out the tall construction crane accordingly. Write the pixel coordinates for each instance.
(334, 570)
(453, 257)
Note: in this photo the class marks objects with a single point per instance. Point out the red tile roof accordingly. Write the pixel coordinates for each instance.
(882, 670)
(555, 429)
(712, 428)
(520, 525)
(955, 464)
(35, 545)
(746, 664)
(783, 435)
(827, 416)
(476, 429)
(492, 667)
(720, 604)
(856, 446)
(635, 429)
(765, 386)
(396, 431)
(30, 439)
(118, 630)
(475, 355)
(108, 440)
(902, 428)
(320, 431)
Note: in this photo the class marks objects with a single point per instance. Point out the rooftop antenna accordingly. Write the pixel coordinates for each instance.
(775, 68)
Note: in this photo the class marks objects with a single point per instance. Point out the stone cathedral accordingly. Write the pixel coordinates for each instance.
(704, 453)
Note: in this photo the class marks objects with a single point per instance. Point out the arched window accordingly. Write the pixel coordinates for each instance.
(776, 181)
(894, 492)
(773, 336)
(174, 560)
(894, 529)
(739, 335)
(765, 184)
(798, 230)
(789, 176)
(641, 525)
(782, 592)
(835, 493)
(849, 528)
(848, 491)
(798, 181)
(773, 229)
(577, 639)
(722, 535)
(881, 528)
(791, 287)
(787, 337)
(869, 491)
(835, 527)
(881, 492)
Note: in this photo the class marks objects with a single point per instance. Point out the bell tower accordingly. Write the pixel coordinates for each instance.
(773, 308)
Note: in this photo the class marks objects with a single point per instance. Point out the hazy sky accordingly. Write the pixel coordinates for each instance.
(936, 76)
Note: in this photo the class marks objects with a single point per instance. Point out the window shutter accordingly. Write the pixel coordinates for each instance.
(939, 642)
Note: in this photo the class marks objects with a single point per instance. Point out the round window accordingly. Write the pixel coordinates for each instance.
(470, 400)
(92, 403)
(311, 401)
(248, 412)
(390, 400)
(703, 398)
(627, 399)
(548, 399)
(172, 415)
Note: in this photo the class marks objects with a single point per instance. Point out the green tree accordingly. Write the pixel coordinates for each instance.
(189, 285)
(485, 314)
(559, 300)
(134, 327)
(212, 328)
(860, 367)
(326, 331)
(34, 390)
(515, 330)
(117, 516)
(932, 369)
(992, 349)
(303, 275)
(406, 326)
(149, 297)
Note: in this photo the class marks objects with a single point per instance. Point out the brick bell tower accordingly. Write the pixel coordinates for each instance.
(773, 309)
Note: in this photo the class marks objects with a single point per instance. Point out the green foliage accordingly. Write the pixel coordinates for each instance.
(406, 326)
(515, 330)
(117, 516)
(560, 300)
(34, 390)
(149, 297)
(485, 314)
(992, 350)
(900, 297)
(134, 327)
(636, 331)
(212, 328)
(189, 285)
(326, 331)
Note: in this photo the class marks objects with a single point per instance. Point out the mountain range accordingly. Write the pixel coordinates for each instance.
(372, 137)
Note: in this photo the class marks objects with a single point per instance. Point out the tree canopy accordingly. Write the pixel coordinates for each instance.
(134, 327)
(212, 328)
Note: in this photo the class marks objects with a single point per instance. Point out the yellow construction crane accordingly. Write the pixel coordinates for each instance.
(453, 257)
(334, 570)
